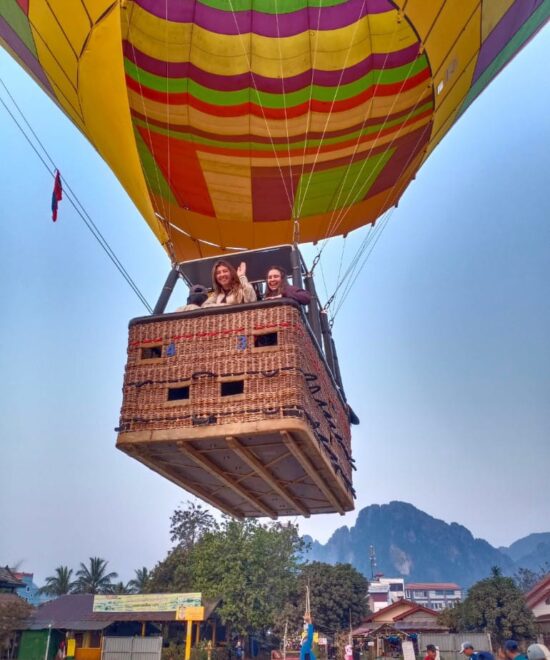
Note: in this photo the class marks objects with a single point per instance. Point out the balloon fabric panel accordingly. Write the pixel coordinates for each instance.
(227, 120)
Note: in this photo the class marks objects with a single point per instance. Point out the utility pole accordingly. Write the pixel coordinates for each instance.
(372, 557)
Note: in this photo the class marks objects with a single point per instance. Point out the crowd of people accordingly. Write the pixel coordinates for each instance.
(510, 650)
(230, 286)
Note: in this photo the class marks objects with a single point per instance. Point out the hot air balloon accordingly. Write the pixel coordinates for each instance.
(242, 125)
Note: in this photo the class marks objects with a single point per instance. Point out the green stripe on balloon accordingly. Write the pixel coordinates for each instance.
(15, 17)
(269, 6)
(330, 189)
(275, 101)
(156, 182)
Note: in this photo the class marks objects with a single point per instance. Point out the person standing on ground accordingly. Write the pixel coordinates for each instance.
(467, 649)
(306, 650)
(431, 652)
(512, 652)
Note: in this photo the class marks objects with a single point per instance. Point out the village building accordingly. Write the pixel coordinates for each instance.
(385, 630)
(538, 601)
(385, 591)
(70, 626)
(435, 595)
(29, 591)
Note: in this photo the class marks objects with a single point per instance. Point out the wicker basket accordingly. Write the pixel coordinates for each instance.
(237, 406)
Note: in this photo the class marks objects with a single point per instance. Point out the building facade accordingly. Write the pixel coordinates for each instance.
(30, 591)
(385, 591)
(434, 595)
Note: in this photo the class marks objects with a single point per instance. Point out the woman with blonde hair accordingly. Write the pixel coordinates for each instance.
(230, 286)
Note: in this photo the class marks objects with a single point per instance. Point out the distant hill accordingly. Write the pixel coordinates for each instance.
(531, 552)
(413, 544)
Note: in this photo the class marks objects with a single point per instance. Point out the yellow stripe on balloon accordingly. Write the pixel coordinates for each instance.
(232, 54)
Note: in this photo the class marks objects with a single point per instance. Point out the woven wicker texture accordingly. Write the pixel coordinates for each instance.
(209, 353)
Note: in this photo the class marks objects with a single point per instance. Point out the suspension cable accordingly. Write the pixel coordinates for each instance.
(71, 196)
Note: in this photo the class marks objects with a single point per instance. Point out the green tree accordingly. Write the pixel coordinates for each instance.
(60, 583)
(172, 574)
(94, 579)
(337, 593)
(453, 618)
(119, 588)
(496, 605)
(526, 579)
(187, 525)
(251, 566)
(138, 584)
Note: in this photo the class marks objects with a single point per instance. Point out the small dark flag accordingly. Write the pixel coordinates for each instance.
(57, 194)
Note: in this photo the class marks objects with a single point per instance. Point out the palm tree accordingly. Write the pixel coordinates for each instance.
(60, 583)
(120, 588)
(138, 583)
(94, 579)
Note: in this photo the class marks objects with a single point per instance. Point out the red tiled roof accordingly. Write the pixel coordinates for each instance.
(430, 586)
(418, 608)
(393, 606)
(539, 592)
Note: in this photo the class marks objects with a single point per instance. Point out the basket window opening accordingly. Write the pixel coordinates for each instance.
(151, 352)
(266, 339)
(232, 387)
(178, 393)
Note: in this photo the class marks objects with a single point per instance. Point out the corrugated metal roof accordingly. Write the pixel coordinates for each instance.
(8, 579)
(378, 588)
(75, 612)
(431, 586)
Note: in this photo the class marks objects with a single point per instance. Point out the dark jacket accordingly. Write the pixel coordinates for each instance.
(295, 293)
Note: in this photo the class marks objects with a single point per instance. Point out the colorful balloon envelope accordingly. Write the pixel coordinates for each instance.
(235, 123)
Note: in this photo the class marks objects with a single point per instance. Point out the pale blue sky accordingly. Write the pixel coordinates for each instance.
(443, 342)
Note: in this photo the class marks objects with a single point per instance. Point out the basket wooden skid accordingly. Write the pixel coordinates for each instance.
(237, 406)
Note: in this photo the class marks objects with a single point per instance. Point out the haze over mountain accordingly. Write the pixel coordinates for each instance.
(531, 552)
(411, 543)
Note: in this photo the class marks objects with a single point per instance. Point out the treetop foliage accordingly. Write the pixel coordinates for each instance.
(495, 605)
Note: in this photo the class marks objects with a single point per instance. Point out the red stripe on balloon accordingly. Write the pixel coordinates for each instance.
(248, 108)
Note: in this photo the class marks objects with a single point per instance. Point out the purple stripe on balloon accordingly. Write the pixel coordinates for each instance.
(376, 61)
(264, 24)
(25, 55)
(504, 31)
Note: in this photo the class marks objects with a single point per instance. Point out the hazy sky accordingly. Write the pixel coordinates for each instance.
(444, 341)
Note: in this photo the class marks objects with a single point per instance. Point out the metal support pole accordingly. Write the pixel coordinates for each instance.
(313, 309)
(327, 342)
(166, 291)
(46, 654)
(337, 373)
(296, 270)
(188, 639)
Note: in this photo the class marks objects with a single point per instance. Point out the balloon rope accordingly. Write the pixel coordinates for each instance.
(249, 64)
(334, 222)
(162, 212)
(72, 197)
(329, 115)
(313, 62)
(381, 225)
(281, 71)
